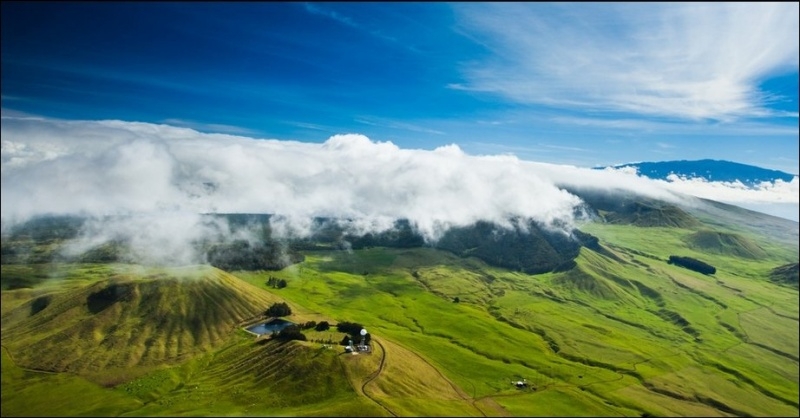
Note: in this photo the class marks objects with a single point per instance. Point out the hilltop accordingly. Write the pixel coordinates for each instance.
(129, 317)
(724, 243)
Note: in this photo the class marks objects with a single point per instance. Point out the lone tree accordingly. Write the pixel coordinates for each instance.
(278, 309)
(323, 326)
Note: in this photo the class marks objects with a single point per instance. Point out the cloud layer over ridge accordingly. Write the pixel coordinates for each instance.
(116, 167)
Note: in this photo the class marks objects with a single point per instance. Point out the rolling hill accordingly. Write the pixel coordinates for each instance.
(786, 274)
(724, 243)
(596, 322)
(631, 209)
(129, 318)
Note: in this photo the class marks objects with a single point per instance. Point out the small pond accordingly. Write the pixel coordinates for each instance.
(274, 325)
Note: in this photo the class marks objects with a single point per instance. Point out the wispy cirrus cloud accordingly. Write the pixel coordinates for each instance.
(564, 148)
(393, 124)
(740, 128)
(348, 21)
(312, 126)
(311, 8)
(210, 127)
(692, 61)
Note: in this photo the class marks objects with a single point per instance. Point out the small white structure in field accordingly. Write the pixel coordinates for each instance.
(363, 345)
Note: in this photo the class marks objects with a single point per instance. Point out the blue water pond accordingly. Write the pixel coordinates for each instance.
(269, 327)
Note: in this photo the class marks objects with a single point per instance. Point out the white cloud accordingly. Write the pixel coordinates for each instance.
(686, 60)
(156, 179)
(155, 237)
(114, 167)
(778, 198)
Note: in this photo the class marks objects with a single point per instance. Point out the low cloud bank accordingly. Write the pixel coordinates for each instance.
(113, 167)
(155, 180)
(779, 198)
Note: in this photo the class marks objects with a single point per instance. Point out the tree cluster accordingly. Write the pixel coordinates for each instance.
(242, 255)
(353, 331)
(278, 309)
(401, 236)
(276, 283)
(526, 247)
(692, 264)
(292, 332)
(352, 328)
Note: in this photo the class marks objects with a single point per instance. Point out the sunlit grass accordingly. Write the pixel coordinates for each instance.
(606, 338)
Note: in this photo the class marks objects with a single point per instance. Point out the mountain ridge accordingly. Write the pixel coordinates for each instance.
(528, 246)
(708, 169)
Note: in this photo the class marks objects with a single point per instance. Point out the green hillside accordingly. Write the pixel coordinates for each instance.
(120, 317)
(528, 248)
(626, 208)
(608, 337)
(786, 274)
(645, 214)
(620, 331)
(724, 243)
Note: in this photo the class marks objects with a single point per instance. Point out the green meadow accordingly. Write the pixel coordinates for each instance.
(623, 333)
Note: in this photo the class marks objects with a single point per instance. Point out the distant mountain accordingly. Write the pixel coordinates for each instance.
(711, 170)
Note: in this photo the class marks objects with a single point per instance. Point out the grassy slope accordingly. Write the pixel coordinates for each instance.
(130, 318)
(36, 394)
(606, 338)
(240, 379)
(231, 374)
(629, 336)
(716, 242)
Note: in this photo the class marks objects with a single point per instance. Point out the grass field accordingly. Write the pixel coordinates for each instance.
(623, 333)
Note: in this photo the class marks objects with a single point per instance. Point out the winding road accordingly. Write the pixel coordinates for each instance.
(374, 375)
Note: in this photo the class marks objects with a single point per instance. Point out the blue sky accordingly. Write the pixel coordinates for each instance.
(583, 84)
